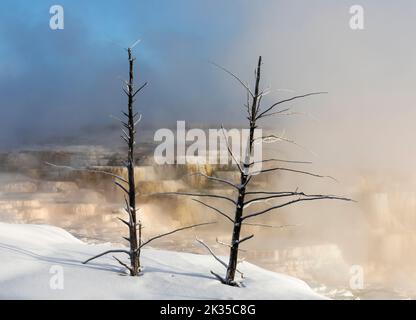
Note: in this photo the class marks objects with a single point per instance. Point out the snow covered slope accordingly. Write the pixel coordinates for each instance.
(32, 258)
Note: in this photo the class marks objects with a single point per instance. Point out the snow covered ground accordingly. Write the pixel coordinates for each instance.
(44, 262)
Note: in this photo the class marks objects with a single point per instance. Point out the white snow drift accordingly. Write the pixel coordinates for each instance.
(44, 262)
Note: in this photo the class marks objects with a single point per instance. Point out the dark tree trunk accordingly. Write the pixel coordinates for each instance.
(233, 260)
(134, 241)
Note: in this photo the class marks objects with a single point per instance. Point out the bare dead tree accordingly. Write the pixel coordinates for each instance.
(128, 185)
(244, 198)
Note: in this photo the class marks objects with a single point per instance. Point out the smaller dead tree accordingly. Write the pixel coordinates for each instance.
(128, 185)
(246, 167)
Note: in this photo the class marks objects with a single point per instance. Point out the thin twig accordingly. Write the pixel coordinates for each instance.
(174, 231)
(124, 221)
(121, 187)
(273, 138)
(295, 171)
(245, 239)
(214, 179)
(280, 160)
(215, 209)
(211, 252)
(215, 257)
(273, 195)
(234, 76)
(140, 89)
(276, 113)
(291, 202)
(227, 245)
(230, 151)
(123, 264)
(287, 100)
(106, 252)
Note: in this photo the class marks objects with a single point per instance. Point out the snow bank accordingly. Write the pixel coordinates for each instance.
(32, 258)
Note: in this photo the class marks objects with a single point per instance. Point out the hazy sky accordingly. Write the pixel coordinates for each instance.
(54, 83)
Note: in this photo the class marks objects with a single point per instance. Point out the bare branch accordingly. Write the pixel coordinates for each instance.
(174, 231)
(280, 160)
(273, 195)
(292, 202)
(276, 113)
(190, 194)
(222, 243)
(140, 89)
(135, 43)
(262, 114)
(138, 120)
(235, 77)
(121, 187)
(87, 170)
(269, 192)
(125, 139)
(214, 179)
(126, 135)
(247, 182)
(104, 253)
(124, 221)
(211, 252)
(215, 257)
(227, 245)
(215, 209)
(295, 171)
(274, 138)
(123, 264)
(245, 239)
(254, 201)
(128, 209)
(258, 104)
(230, 151)
(293, 113)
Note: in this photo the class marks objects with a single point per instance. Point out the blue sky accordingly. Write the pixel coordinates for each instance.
(75, 73)
(61, 83)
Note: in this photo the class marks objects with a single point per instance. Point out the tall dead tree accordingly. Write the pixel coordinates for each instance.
(246, 165)
(128, 185)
